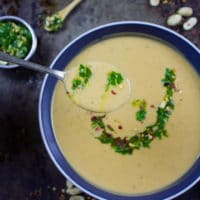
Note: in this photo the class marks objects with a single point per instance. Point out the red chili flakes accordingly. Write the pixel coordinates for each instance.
(121, 142)
(175, 88)
(113, 92)
(120, 127)
(152, 106)
(97, 129)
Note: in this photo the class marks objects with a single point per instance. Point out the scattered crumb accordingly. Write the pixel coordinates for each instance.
(63, 190)
(120, 127)
(62, 197)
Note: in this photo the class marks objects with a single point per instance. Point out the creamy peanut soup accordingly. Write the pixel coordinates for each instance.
(143, 62)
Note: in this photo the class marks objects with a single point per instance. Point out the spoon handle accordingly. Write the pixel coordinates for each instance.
(66, 11)
(30, 65)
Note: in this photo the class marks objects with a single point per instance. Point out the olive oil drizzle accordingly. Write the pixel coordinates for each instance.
(140, 115)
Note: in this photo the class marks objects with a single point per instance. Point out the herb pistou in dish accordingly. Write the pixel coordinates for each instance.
(17, 38)
(146, 149)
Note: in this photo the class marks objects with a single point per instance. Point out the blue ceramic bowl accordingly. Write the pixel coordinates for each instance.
(192, 54)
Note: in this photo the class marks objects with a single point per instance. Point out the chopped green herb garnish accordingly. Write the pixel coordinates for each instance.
(53, 23)
(106, 138)
(84, 75)
(142, 139)
(141, 114)
(113, 79)
(97, 122)
(110, 128)
(15, 39)
(169, 78)
(76, 83)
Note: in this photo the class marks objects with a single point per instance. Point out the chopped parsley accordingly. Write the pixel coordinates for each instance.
(84, 75)
(127, 145)
(53, 23)
(141, 114)
(113, 79)
(76, 83)
(15, 39)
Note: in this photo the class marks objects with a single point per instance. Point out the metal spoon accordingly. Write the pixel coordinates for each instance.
(101, 102)
(55, 22)
(34, 66)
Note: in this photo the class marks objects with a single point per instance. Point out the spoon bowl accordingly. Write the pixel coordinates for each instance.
(103, 92)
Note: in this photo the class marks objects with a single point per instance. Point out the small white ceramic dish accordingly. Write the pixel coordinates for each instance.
(34, 38)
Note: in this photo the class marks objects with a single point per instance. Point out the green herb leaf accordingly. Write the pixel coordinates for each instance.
(136, 142)
(54, 23)
(85, 73)
(169, 77)
(106, 138)
(82, 80)
(113, 79)
(97, 122)
(123, 150)
(139, 103)
(146, 138)
(76, 83)
(141, 114)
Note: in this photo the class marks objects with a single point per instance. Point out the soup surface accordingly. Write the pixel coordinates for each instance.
(143, 61)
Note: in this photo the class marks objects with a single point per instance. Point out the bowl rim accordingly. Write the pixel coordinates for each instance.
(51, 145)
(33, 35)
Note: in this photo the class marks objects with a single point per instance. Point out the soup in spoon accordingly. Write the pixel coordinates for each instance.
(98, 87)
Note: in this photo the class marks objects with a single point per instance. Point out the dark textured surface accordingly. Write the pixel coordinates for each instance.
(26, 171)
